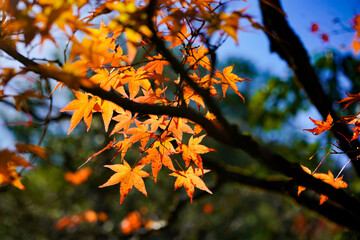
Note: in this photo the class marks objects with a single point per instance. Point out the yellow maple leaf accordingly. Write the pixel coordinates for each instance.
(127, 177)
(190, 179)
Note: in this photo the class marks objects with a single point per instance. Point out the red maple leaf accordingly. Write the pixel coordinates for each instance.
(321, 125)
(350, 99)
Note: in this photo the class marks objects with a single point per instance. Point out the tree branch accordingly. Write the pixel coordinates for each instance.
(289, 47)
(288, 188)
(180, 111)
(293, 170)
(232, 138)
(179, 69)
(59, 117)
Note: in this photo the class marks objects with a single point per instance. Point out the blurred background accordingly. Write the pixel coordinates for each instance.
(61, 202)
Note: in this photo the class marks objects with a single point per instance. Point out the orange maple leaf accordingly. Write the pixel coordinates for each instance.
(127, 177)
(140, 132)
(83, 108)
(107, 111)
(79, 176)
(356, 130)
(350, 99)
(190, 179)
(321, 125)
(177, 126)
(156, 64)
(198, 56)
(31, 148)
(192, 151)
(327, 178)
(229, 79)
(124, 119)
(178, 37)
(157, 159)
(231, 24)
(9, 161)
(137, 78)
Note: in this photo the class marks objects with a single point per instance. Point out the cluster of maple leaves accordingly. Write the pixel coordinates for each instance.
(99, 59)
(322, 126)
(108, 57)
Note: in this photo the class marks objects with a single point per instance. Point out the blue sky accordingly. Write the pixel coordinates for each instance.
(254, 45)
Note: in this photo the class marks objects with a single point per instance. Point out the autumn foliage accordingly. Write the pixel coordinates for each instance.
(149, 69)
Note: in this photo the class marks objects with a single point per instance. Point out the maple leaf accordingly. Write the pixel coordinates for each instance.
(327, 178)
(192, 151)
(231, 24)
(151, 97)
(122, 147)
(190, 179)
(165, 145)
(21, 99)
(124, 120)
(157, 159)
(83, 109)
(177, 38)
(107, 111)
(141, 132)
(9, 161)
(156, 64)
(154, 122)
(34, 149)
(229, 79)
(177, 126)
(205, 82)
(133, 19)
(79, 176)
(321, 125)
(190, 94)
(350, 99)
(127, 177)
(93, 50)
(106, 79)
(137, 78)
(198, 56)
(356, 130)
